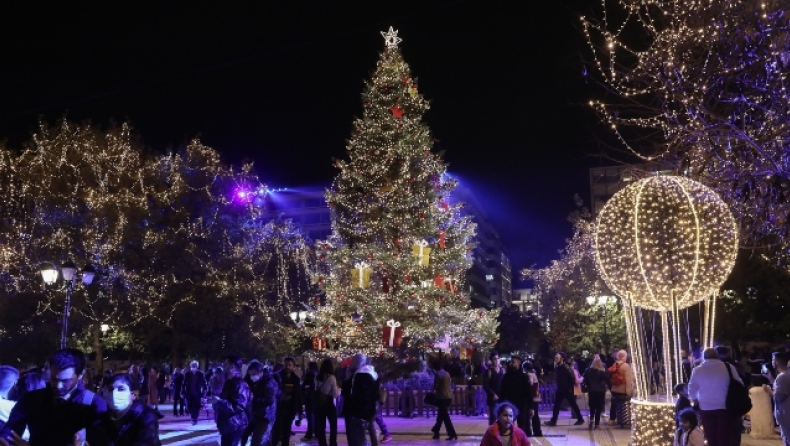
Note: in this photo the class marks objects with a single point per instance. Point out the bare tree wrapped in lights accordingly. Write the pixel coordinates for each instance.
(581, 311)
(221, 276)
(701, 86)
(182, 267)
(394, 270)
(76, 193)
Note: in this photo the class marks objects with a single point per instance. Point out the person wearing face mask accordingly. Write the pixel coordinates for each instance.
(265, 392)
(129, 422)
(56, 414)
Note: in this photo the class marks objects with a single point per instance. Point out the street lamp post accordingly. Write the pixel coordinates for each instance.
(68, 270)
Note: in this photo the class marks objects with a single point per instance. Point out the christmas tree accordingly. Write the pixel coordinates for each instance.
(393, 271)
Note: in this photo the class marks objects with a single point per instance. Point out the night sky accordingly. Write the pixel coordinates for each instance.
(280, 84)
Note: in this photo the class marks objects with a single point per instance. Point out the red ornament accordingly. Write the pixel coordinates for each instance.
(385, 287)
(407, 278)
(442, 237)
(397, 112)
(406, 80)
(438, 281)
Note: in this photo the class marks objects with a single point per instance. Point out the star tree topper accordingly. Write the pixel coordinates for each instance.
(391, 39)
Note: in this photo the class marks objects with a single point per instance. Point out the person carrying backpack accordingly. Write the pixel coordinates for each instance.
(621, 380)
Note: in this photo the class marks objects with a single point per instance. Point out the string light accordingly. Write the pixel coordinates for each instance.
(164, 231)
(663, 242)
(389, 195)
(663, 235)
(704, 91)
(652, 423)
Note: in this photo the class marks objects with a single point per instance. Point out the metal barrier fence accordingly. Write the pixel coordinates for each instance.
(467, 400)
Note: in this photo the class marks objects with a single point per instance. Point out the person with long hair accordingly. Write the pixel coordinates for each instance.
(441, 386)
(326, 391)
(503, 431)
(534, 383)
(596, 379)
(689, 433)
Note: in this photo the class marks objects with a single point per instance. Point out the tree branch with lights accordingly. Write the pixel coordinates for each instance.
(701, 86)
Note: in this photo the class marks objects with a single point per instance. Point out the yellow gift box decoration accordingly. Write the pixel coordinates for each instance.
(360, 275)
(421, 250)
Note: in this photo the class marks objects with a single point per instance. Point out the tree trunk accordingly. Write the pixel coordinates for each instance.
(97, 348)
(175, 351)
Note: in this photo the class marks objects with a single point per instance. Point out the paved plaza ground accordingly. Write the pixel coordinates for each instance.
(416, 431)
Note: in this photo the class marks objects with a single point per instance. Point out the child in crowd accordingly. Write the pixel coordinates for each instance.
(689, 433)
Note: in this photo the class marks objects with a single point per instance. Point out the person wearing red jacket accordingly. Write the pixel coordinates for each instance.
(504, 432)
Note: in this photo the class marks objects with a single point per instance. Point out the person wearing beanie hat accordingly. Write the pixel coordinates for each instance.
(360, 394)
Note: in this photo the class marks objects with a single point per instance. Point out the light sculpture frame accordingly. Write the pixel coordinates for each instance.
(662, 244)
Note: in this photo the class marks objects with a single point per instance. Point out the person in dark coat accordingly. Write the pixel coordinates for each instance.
(194, 389)
(233, 411)
(128, 422)
(290, 402)
(492, 384)
(360, 403)
(308, 382)
(177, 382)
(55, 415)
(145, 385)
(265, 392)
(566, 380)
(596, 381)
(517, 389)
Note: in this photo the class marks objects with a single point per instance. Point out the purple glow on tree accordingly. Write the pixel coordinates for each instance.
(243, 195)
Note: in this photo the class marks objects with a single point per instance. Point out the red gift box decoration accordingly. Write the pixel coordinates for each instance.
(319, 343)
(393, 334)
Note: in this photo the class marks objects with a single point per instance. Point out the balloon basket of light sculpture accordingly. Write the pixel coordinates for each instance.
(652, 421)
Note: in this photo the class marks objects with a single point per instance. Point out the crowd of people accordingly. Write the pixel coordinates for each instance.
(260, 401)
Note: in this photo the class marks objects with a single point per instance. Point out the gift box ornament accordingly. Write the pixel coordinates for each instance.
(319, 343)
(393, 334)
(451, 285)
(422, 252)
(360, 275)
